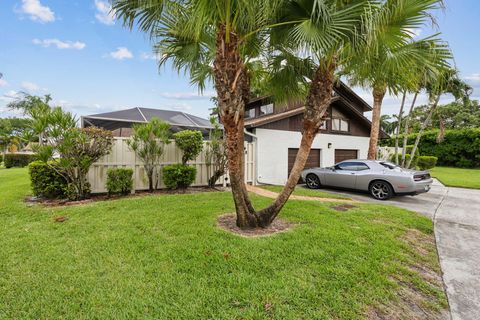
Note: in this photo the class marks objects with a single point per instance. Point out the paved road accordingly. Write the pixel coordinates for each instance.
(456, 216)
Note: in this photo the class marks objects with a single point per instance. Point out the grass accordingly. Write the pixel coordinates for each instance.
(457, 177)
(302, 191)
(163, 257)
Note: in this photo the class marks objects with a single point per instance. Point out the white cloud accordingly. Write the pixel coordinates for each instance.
(148, 56)
(77, 45)
(37, 11)
(181, 107)
(104, 12)
(187, 95)
(474, 77)
(121, 53)
(30, 86)
(10, 95)
(3, 83)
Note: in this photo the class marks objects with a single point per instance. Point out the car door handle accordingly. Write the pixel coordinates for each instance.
(352, 172)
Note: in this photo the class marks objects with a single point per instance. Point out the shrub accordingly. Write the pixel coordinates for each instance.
(426, 162)
(46, 181)
(407, 158)
(178, 176)
(460, 148)
(190, 142)
(119, 181)
(18, 160)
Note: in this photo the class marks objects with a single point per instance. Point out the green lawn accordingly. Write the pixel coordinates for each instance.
(457, 177)
(301, 191)
(163, 257)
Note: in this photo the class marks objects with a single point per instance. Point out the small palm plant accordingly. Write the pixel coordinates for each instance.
(148, 142)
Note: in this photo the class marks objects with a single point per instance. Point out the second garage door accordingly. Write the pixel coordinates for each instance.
(312, 161)
(345, 154)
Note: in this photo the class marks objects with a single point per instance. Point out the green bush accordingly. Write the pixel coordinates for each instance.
(18, 160)
(407, 158)
(459, 148)
(190, 142)
(72, 191)
(119, 181)
(178, 176)
(45, 179)
(426, 162)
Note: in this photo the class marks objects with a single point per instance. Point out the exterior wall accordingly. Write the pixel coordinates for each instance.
(272, 151)
(122, 157)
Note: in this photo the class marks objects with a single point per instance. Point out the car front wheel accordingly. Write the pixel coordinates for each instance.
(312, 181)
(381, 190)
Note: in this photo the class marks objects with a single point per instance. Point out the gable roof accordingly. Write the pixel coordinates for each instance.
(142, 115)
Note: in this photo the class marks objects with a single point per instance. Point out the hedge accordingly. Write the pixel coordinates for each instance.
(426, 162)
(178, 176)
(460, 148)
(119, 181)
(18, 160)
(46, 181)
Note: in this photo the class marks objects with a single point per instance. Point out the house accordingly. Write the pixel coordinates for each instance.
(277, 132)
(121, 122)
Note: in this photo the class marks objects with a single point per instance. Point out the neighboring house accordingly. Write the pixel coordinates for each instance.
(121, 122)
(277, 131)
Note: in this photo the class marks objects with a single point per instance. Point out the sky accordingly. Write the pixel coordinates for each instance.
(90, 63)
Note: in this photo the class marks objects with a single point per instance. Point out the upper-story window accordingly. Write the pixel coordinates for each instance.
(266, 109)
(340, 125)
(250, 113)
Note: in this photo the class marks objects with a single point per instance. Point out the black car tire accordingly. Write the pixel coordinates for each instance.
(312, 181)
(381, 190)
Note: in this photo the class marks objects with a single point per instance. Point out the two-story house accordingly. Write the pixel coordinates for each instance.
(277, 131)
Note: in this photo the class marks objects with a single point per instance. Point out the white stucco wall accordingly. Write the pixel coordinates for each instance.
(272, 151)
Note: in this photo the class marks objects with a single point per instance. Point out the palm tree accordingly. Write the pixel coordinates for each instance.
(218, 39)
(389, 53)
(447, 82)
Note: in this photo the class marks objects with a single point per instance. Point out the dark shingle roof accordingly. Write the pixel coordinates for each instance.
(174, 118)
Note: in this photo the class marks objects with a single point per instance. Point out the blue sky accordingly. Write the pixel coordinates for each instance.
(75, 51)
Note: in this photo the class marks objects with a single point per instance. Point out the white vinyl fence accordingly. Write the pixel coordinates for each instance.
(385, 153)
(122, 157)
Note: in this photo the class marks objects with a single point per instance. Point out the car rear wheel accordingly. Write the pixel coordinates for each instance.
(312, 181)
(381, 190)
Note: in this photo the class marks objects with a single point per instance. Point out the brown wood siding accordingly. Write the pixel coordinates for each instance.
(312, 161)
(357, 126)
(344, 154)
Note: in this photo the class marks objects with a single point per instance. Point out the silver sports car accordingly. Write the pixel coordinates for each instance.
(380, 178)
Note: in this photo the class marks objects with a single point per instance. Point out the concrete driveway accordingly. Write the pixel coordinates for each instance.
(456, 216)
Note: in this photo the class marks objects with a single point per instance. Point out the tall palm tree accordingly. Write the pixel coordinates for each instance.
(218, 39)
(447, 82)
(390, 53)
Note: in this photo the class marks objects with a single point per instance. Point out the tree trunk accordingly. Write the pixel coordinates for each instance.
(399, 125)
(405, 132)
(232, 86)
(378, 95)
(422, 129)
(317, 103)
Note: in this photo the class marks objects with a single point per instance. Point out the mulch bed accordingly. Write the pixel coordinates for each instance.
(106, 197)
(228, 222)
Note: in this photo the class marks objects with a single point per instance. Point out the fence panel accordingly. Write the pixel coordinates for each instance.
(122, 156)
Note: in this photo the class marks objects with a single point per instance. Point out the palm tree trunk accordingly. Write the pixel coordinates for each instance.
(232, 86)
(378, 95)
(399, 125)
(405, 132)
(317, 103)
(422, 129)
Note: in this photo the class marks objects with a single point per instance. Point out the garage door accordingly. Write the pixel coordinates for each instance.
(312, 161)
(344, 154)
